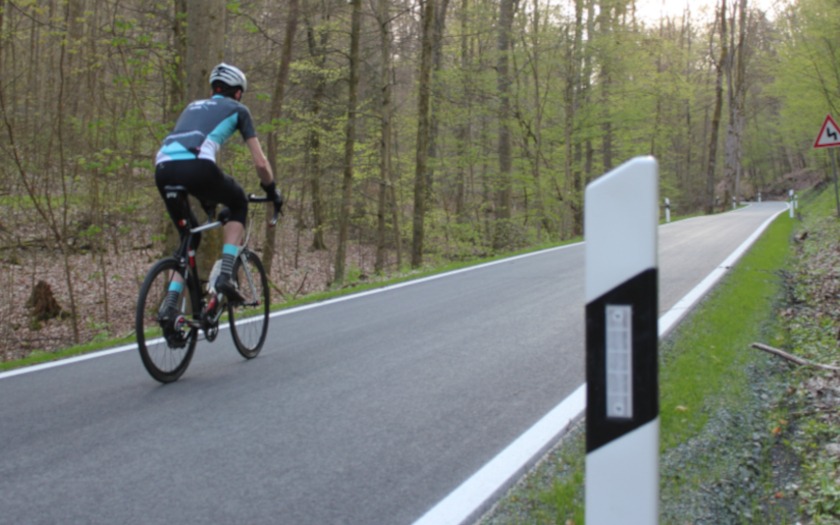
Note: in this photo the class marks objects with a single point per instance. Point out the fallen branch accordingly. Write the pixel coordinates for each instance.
(276, 287)
(302, 283)
(793, 358)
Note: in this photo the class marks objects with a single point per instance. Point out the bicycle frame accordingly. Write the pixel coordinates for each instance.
(186, 258)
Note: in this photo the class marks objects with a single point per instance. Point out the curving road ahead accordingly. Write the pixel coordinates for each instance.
(365, 410)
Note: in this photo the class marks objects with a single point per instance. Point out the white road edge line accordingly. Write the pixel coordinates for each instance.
(471, 498)
(289, 311)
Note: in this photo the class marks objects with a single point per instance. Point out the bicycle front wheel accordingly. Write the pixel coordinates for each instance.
(166, 342)
(249, 319)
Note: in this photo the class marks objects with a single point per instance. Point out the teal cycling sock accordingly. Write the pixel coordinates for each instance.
(229, 253)
(172, 295)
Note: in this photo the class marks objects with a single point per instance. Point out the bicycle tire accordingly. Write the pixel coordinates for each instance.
(165, 357)
(249, 319)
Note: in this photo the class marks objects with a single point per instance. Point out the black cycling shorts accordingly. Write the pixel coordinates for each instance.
(205, 181)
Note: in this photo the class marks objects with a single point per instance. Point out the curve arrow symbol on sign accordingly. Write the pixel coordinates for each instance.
(829, 135)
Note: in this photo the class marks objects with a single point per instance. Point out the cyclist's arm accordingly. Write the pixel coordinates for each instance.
(260, 162)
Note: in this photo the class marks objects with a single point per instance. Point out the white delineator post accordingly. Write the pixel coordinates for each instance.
(790, 204)
(622, 297)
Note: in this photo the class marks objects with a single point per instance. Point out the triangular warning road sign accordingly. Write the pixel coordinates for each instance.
(829, 134)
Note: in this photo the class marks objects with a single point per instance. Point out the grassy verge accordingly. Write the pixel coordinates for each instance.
(705, 365)
(38, 357)
(808, 422)
(718, 420)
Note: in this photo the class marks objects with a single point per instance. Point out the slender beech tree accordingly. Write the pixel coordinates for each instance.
(463, 130)
(504, 183)
(386, 197)
(349, 143)
(715, 124)
(578, 73)
(176, 71)
(436, 95)
(269, 245)
(205, 43)
(423, 130)
(317, 42)
(735, 69)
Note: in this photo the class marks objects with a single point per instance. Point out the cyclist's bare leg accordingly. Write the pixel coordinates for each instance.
(233, 232)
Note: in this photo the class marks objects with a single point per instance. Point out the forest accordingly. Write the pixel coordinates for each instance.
(403, 133)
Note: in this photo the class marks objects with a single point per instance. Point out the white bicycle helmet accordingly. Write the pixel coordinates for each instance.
(230, 75)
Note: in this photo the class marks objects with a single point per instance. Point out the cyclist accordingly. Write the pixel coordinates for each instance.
(188, 158)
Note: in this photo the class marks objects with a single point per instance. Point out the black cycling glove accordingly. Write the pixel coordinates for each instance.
(274, 195)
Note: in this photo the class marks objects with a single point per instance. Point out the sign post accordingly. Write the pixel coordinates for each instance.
(829, 137)
(622, 408)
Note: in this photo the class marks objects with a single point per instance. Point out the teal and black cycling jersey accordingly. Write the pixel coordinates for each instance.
(203, 127)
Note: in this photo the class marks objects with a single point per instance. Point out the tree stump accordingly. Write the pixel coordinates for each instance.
(42, 304)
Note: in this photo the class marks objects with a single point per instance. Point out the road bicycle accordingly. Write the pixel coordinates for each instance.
(167, 342)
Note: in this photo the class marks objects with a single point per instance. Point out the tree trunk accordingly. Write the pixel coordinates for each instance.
(609, 22)
(205, 43)
(577, 91)
(384, 20)
(270, 243)
(502, 235)
(205, 49)
(423, 128)
(349, 144)
(178, 80)
(536, 130)
(437, 68)
(61, 224)
(689, 132)
(736, 93)
(316, 45)
(715, 125)
(463, 131)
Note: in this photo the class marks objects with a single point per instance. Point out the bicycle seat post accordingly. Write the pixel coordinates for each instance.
(177, 199)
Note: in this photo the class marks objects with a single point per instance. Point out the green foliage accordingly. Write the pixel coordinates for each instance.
(807, 76)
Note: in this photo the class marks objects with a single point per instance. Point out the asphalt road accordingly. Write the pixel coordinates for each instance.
(367, 410)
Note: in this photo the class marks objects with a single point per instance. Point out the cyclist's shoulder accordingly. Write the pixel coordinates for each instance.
(217, 103)
(229, 106)
(241, 107)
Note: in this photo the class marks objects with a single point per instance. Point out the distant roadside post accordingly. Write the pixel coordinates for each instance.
(622, 409)
(791, 205)
(829, 137)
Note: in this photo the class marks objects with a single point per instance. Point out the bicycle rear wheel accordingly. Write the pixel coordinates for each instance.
(166, 348)
(249, 319)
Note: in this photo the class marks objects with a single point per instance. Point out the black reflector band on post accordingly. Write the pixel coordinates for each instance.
(606, 377)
